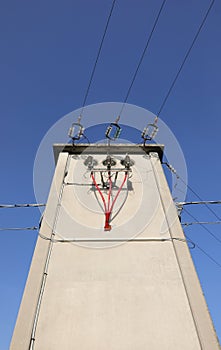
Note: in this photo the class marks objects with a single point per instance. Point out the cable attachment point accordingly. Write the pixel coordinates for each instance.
(113, 130)
(127, 162)
(76, 130)
(149, 132)
(109, 162)
(90, 162)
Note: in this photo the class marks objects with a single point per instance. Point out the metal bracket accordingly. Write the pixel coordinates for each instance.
(80, 130)
(154, 155)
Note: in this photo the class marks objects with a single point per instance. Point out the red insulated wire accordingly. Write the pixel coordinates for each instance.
(110, 190)
(101, 194)
(107, 208)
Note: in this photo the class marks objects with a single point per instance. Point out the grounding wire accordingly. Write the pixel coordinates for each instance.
(47, 261)
(142, 56)
(185, 240)
(188, 240)
(185, 58)
(97, 58)
(76, 240)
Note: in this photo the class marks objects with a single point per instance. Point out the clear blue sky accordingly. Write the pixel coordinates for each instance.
(47, 52)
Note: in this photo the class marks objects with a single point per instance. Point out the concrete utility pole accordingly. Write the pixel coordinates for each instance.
(111, 268)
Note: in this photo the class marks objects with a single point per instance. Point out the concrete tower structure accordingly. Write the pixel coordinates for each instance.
(111, 268)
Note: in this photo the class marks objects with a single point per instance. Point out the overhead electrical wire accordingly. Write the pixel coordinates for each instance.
(97, 57)
(154, 125)
(115, 125)
(28, 205)
(180, 68)
(203, 225)
(33, 205)
(185, 58)
(198, 202)
(217, 263)
(80, 133)
(142, 56)
(183, 224)
(201, 200)
(32, 228)
(171, 168)
(206, 203)
(204, 252)
(159, 112)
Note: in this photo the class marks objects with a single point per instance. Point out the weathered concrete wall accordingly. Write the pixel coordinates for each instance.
(134, 287)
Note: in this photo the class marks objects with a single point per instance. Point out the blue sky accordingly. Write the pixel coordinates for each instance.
(48, 50)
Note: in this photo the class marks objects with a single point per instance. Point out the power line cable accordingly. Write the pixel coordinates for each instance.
(28, 205)
(171, 168)
(34, 205)
(185, 58)
(32, 228)
(202, 224)
(113, 131)
(153, 126)
(97, 58)
(205, 203)
(142, 56)
(204, 252)
(198, 202)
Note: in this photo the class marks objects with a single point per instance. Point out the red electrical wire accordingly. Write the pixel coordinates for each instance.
(107, 208)
(110, 190)
(101, 194)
